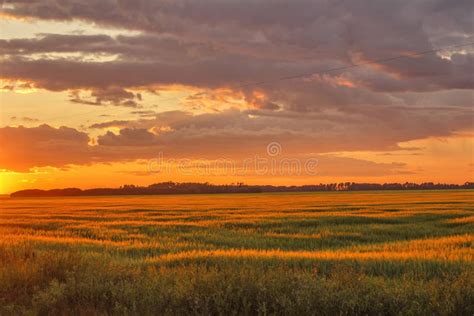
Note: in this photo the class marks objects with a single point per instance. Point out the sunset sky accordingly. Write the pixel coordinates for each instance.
(93, 92)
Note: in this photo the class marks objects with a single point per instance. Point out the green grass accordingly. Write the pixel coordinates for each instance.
(345, 253)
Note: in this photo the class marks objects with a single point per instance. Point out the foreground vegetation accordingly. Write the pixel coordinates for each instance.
(332, 253)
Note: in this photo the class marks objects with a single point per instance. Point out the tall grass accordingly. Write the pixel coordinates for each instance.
(349, 253)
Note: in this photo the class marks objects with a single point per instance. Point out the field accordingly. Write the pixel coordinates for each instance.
(332, 253)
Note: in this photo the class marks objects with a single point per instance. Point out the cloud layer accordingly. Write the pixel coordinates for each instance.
(45, 146)
(212, 46)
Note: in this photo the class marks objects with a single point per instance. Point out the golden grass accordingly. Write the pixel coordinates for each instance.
(461, 220)
(220, 253)
(437, 249)
(304, 219)
(312, 236)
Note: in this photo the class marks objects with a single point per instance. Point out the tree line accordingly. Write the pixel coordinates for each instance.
(208, 188)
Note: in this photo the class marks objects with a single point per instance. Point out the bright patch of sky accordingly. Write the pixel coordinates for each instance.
(29, 28)
(79, 57)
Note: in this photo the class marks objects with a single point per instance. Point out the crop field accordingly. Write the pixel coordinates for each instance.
(328, 253)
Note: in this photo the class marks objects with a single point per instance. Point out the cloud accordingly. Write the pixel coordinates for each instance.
(129, 137)
(333, 166)
(216, 48)
(214, 44)
(144, 113)
(111, 95)
(367, 128)
(232, 134)
(26, 119)
(108, 124)
(45, 146)
(24, 148)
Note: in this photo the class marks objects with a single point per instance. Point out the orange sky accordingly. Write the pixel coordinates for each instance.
(92, 100)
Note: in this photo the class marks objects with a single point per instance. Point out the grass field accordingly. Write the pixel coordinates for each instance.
(333, 253)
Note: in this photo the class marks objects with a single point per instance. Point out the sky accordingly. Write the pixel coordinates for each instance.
(101, 93)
